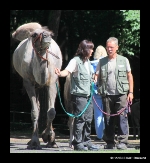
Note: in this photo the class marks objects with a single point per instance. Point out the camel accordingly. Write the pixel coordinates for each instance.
(35, 59)
(69, 108)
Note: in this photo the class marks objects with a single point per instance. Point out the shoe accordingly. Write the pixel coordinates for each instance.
(93, 147)
(101, 146)
(80, 148)
(121, 146)
(109, 146)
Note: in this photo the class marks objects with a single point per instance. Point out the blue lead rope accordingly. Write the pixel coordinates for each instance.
(71, 115)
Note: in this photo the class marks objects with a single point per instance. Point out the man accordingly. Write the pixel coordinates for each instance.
(115, 85)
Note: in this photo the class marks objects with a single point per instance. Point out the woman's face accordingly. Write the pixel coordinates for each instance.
(90, 53)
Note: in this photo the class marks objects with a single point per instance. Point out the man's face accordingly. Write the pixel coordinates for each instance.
(111, 48)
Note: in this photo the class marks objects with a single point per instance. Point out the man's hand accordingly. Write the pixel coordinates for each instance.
(130, 97)
(95, 78)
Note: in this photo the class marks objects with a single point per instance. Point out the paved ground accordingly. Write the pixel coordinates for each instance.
(18, 143)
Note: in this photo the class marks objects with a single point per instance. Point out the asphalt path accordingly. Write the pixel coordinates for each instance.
(19, 145)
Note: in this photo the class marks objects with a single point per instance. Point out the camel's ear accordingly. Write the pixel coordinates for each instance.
(47, 29)
(33, 34)
(51, 33)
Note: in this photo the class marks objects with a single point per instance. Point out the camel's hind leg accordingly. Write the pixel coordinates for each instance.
(70, 125)
(69, 108)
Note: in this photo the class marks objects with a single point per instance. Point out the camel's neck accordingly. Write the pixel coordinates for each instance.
(40, 69)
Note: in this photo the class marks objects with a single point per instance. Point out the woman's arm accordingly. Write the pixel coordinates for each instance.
(62, 73)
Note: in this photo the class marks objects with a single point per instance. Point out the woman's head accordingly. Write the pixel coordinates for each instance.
(100, 52)
(85, 49)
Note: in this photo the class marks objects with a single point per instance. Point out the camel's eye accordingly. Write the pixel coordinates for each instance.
(44, 35)
(34, 35)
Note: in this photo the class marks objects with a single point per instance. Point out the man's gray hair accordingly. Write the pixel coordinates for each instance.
(114, 39)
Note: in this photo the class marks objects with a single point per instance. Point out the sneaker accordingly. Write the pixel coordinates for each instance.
(109, 146)
(121, 146)
(80, 148)
(93, 147)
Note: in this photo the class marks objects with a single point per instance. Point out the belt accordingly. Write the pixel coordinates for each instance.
(87, 97)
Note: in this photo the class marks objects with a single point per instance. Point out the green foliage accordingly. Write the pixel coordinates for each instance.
(127, 30)
(96, 25)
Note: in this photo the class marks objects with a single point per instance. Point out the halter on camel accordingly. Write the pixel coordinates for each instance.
(38, 52)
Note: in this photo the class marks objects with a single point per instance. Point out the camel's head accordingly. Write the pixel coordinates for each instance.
(41, 39)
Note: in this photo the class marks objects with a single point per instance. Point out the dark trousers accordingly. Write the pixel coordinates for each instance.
(112, 104)
(82, 124)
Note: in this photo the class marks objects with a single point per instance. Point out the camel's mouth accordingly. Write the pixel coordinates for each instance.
(45, 45)
(45, 42)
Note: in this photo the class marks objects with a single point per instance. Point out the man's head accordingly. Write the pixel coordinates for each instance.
(112, 46)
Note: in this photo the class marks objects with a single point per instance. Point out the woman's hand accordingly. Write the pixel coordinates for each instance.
(63, 73)
(57, 71)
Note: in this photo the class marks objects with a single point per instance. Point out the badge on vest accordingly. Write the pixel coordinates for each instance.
(120, 65)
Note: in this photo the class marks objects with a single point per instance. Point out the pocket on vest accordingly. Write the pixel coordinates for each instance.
(122, 73)
(125, 85)
(102, 90)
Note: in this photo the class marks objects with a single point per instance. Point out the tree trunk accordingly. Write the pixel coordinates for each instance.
(53, 22)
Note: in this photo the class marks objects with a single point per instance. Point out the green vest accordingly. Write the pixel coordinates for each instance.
(81, 85)
(122, 84)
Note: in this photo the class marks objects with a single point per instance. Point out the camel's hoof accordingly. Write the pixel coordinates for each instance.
(34, 147)
(51, 145)
(29, 142)
(48, 137)
(71, 146)
(44, 137)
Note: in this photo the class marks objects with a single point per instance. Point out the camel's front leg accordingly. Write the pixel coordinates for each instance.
(48, 135)
(34, 143)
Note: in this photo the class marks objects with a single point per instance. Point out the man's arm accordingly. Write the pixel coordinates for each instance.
(97, 72)
(130, 80)
(95, 77)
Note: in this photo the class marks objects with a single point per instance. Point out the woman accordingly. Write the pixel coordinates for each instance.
(81, 80)
(100, 52)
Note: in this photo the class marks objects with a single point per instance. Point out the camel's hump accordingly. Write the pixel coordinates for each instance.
(23, 31)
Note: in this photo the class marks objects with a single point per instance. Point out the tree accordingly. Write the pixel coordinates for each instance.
(53, 22)
(127, 30)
